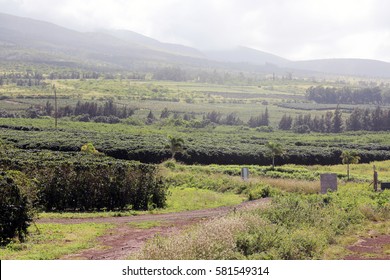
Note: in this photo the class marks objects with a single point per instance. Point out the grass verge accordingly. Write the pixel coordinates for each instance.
(185, 199)
(51, 241)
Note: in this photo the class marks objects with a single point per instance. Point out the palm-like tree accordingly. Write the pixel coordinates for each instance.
(349, 157)
(274, 150)
(176, 145)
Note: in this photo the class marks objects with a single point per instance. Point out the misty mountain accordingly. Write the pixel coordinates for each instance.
(139, 39)
(23, 39)
(246, 55)
(34, 41)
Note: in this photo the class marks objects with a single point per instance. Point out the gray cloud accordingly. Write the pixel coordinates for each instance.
(300, 29)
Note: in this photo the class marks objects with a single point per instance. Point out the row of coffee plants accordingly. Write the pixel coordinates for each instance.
(228, 146)
(81, 182)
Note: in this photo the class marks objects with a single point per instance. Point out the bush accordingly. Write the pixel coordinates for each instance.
(89, 148)
(15, 211)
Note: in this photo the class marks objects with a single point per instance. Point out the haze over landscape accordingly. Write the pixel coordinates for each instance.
(296, 30)
(30, 40)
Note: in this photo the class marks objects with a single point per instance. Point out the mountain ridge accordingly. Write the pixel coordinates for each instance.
(36, 40)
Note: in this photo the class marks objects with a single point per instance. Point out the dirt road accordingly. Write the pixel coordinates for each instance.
(124, 239)
(375, 247)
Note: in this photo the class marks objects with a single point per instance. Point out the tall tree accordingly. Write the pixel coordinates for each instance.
(285, 122)
(328, 122)
(354, 122)
(349, 157)
(337, 121)
(274, 150)
(265, 120)
(150, 118)
(176, 145)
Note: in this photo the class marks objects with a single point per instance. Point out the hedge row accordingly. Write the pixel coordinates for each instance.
(86, 183)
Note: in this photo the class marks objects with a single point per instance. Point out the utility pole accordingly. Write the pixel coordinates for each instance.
(55, 106)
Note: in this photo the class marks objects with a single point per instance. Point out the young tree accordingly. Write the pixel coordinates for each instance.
(274, 150)
(285, 122)
(349, 157)
(150, 118)
(48, 108)
(165, 113)
(265, 118)
(176, 145)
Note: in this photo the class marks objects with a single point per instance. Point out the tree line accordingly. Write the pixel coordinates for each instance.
(108, 112)
(345, 95)
(332, 122)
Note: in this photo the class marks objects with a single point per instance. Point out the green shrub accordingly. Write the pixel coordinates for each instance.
(15, 211)
(260, 191)
(89, 148)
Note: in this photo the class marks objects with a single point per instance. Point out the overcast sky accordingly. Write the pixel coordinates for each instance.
(294, 29)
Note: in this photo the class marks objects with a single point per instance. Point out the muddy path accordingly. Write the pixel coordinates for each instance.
(370, 248)
(125, 239)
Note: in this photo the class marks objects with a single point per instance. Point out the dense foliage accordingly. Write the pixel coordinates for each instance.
(15, 210)
(344, 95)
(332, 122)
(89, 182)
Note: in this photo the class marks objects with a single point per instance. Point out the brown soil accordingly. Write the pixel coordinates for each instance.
(370, 248)
(124, 239)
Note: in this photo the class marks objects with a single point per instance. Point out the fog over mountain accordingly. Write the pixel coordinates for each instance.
(295, 30)
(24, 39)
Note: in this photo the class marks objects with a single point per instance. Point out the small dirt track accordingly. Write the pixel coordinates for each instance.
(123, 239)
(372, 248)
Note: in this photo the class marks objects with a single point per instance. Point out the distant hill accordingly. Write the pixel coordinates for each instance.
(34, 41)
(23, 39)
